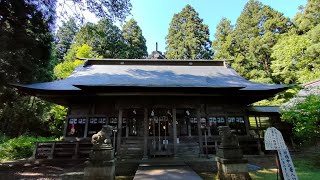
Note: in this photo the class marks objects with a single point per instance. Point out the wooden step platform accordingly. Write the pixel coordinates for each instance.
(62, 150)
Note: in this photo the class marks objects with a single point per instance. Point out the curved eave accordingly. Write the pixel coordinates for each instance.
(43, 91)
(92, 89)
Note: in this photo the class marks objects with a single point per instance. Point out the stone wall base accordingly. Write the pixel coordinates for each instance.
(99, 173)
(232, 169)
(237, 176)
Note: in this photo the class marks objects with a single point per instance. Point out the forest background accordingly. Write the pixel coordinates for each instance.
(264, 45)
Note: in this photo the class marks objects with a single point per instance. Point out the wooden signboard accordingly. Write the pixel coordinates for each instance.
(287, 166)
(274, 141)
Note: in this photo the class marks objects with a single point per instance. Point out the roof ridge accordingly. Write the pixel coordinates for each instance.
(187, 62)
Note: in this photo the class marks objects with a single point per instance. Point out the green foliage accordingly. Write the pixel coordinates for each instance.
(135, 42)
(309, 17)
(280, 98)
(21, 114)
(305, 118)
(297, 55)
(221, 44)
(55, 118)
(25, 54)
(64, 69)
(20, 147)
(3, 138)
(64, 37)
(249, 44)
(188, 37)
(25, 43)
(289, 58)
(105, 39)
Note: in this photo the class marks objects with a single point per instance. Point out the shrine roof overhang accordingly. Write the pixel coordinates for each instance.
(263, 109)
(120, 75)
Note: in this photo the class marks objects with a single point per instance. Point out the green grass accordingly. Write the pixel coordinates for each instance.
(263, 174)
(208, 175)
(306, 167)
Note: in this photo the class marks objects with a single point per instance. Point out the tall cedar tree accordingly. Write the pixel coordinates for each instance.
(256, 32)
(220, 45)
(296, 56)
(64, 37)
(24, 58)
(188, 37)
(135, 42)
(309, 17)
(105, 39)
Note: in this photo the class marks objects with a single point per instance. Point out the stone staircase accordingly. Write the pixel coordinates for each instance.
(131, 148)
(188, 150)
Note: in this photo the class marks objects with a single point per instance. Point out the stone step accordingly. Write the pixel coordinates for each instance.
(131, 149)
(131, 145)
(133, 142)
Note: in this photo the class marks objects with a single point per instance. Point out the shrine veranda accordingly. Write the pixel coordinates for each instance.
(161, 105)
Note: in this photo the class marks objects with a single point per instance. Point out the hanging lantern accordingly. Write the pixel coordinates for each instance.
(187, 112)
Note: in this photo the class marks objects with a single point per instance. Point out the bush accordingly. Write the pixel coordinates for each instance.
(20, 147)
(3, 138)
(305, 118)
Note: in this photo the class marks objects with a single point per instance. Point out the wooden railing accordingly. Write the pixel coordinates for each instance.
(62, 149)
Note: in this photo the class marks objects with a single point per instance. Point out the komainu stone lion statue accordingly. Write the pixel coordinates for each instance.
(103, 136)
(227, 138)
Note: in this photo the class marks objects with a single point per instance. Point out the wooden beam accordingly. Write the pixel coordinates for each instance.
(199, 130)
(174, 126)
(146, 133)
(67, 122)
(119, 129)
(87, 120)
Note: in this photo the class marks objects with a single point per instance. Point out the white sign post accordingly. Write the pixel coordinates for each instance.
(273, 140)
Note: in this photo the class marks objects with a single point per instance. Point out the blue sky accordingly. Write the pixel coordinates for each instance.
(154, 16)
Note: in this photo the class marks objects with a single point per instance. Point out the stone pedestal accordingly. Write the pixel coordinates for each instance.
(235, 169)
(101, 164)
(230, 162)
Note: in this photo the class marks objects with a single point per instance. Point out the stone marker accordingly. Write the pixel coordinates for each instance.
(230, 162)
(274, 141)
(101, 163)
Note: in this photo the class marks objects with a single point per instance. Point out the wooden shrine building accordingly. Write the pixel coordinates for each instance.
(159, 107)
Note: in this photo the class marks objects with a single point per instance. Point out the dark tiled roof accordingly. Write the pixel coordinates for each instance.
(262, 109)
(143, 73)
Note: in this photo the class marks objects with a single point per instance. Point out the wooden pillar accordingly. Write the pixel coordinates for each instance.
(67, 122)
(216, 145)
(127, 129)
(189, 127)
(90, 107)
(119, 130)
(199, 131)
(257, 126)
(259, 138)
(174, 126)
(209, 131)
(146, 133)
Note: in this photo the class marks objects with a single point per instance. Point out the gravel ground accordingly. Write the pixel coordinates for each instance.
(73, 169)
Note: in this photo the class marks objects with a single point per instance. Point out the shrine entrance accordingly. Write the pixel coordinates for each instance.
(160, 131)
(133, 122)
